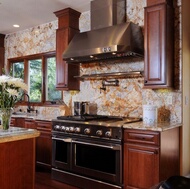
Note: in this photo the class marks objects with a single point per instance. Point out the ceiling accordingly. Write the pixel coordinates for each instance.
(30, 13)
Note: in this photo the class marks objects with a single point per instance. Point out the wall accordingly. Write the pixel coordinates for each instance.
(185, 130)
(128, 98)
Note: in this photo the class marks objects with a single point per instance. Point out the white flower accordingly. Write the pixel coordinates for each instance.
(3, 79)
(10, 89)
(13, 92)
(17, 82)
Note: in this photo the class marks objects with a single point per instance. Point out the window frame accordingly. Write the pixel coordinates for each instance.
(26, 59)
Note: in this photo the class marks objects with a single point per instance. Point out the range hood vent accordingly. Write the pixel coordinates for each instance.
(111, 42)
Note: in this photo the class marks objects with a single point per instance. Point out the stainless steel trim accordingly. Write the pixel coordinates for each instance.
(111, 75)
(58, 170)
(68, 140)
(117, 147)
(113, 42)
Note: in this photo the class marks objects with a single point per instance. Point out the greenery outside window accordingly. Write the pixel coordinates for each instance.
(18, 70)
(39, 72)
(35, 80)
(51, 92)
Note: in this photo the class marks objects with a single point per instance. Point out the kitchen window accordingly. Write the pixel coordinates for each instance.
(39, 72)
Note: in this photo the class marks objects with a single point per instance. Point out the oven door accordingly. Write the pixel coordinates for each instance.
(61, 154)
(98, 160)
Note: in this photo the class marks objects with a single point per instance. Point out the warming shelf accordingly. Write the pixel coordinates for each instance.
(130, 74)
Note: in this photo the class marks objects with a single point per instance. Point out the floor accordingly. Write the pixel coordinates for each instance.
(44, 181)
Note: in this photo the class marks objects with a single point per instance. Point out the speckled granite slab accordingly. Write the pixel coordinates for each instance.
(17, 133)
(156, 127)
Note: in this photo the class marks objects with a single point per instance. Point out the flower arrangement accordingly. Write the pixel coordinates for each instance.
(11, 90)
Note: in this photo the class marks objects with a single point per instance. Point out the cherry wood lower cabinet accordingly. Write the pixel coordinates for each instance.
(150, 157)
(17, 160)
(17, 122)
(44, 144)
(30, 124)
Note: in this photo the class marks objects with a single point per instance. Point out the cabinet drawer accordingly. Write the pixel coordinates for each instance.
(42, 125)
(145, 137)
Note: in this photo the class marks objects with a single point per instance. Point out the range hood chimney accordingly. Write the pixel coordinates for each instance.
(111, 37)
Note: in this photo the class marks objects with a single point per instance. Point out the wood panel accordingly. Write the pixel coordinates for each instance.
(44, 144)
(159, 46)
(68, 22)
(17, 160)
(141, 166)
(150, 157)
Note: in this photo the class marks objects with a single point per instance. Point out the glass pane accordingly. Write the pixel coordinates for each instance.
(51, 92)
(35, 80)
(18, 70)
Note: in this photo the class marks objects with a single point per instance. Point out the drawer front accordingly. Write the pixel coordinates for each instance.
(145, 137)
(43, 126)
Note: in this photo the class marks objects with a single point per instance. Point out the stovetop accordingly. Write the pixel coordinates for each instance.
(96, 126)
(89, 117)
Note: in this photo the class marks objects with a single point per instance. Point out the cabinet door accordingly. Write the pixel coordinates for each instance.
(13, 121)
(17, 122)
(141, 166)
(2, 57)
(30, 124)
(65, 72)
(44, 144)
(68, 26)
(158, 68)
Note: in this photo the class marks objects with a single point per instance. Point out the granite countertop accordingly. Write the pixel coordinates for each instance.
(17, 133)
(156, 127)
(137, 125)
(35, 117)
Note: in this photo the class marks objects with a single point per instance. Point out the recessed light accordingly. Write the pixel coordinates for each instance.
(16, 26)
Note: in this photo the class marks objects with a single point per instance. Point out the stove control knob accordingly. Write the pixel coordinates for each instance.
(99, 133)
(62, 128)
(67, 129)
(71, 129)
(77, 130)
(87, 131)
(57, 127)
(108, 134)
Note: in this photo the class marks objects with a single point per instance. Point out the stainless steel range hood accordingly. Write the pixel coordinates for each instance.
(111, 42)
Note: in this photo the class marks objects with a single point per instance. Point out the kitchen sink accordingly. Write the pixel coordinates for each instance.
(19, 113)
(24, 113)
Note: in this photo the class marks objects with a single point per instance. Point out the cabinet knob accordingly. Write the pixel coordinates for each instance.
(156, 152)
(145, 81)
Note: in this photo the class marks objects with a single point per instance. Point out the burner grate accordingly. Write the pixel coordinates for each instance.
(82, 117)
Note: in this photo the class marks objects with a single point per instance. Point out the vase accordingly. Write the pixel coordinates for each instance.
(5, 117)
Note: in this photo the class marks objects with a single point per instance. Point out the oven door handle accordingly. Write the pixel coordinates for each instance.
(118, 147)
(68, 140)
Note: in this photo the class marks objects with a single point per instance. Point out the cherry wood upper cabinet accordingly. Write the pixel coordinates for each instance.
(2, 52)
(159, 44)
(68, 26)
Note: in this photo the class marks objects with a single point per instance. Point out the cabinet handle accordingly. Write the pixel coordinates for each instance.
(156, 152)
(145, 81)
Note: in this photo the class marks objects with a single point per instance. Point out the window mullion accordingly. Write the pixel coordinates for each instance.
(44, 73)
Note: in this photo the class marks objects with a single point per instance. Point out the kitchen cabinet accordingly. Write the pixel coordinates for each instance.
(13, 121)
(30, 124)
(159, 45)
(17, 159)
(17, 122)
(44, 144)
(2, 52)
(68, 26)
(150, 157)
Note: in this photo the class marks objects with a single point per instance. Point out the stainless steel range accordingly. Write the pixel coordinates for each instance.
(87, 150)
